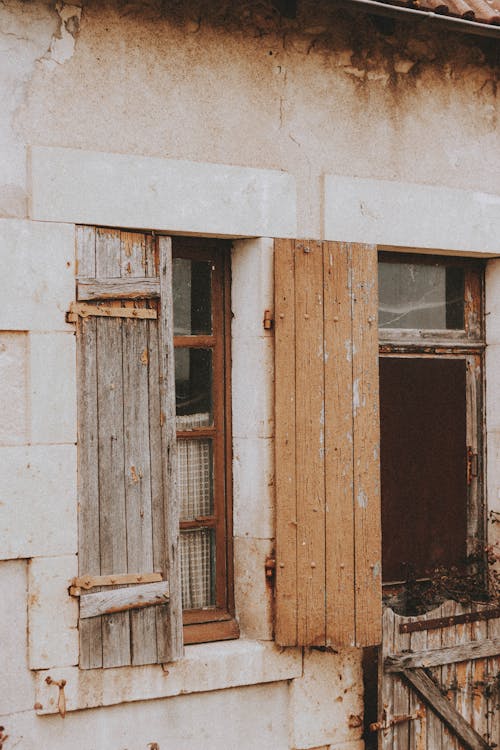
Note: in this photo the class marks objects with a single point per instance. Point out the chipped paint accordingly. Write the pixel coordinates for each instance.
(62, 45)
(356, 403)
(362, 499)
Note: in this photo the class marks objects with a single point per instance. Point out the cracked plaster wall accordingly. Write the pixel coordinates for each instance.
(234, 83)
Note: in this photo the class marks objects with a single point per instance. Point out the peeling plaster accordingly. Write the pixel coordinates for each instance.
(62, 45)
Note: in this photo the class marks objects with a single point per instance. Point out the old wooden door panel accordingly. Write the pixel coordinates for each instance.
(438, 683)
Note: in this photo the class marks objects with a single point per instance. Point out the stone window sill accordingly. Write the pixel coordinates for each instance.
(204, 667)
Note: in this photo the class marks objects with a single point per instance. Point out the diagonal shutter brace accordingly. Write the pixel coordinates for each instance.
(84, 310)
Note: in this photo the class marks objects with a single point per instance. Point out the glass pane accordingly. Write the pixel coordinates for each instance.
(193, 384)
(198, 568)
(192, 297)
(194, 476)
(417, 295)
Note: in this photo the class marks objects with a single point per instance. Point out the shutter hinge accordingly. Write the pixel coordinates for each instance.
(389, 721)
(61, 701)
(268, 320)
(84, 310)
(472, 464)
(270, 568)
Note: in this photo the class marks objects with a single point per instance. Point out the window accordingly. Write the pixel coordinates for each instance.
(431, 361)
(202, 385)
(153, 446)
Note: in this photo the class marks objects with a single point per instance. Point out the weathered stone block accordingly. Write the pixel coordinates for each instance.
(493, 387)
(492, 299)
(252, 590)
(14, 390)
(37, 501)
(205, 668)
(252, 388)
(53, 387)
(253, 487)
(37, 282)
(406, 214)
(17, 688)
(86, 187)
(252, 286)
(324, 701)
(52, 612)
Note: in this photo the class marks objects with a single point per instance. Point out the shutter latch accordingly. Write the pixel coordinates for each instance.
(389, 721)
(61, 701)
(472, 464)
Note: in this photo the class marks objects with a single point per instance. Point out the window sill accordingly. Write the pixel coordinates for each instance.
(204, 667)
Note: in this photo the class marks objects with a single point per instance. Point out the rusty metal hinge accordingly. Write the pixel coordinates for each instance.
(61, 700)
(84, 310)
(268, 320)
(472, 464)
(389, 721)
(270, 568)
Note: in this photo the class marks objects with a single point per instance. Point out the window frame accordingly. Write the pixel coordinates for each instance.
(468, 344)
(218, 622)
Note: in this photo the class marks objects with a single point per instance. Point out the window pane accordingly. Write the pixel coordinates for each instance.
(198, 568)
(193, 384)
(192, 297)
(194, 476)
(417, 295)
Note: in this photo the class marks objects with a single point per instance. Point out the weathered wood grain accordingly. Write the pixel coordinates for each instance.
(310, 444)
(477, 649)
(429, 691)
(339, 511)
(137, 457)
(174, 642)
(118, 600)
(285, 480)
(113, 523)
(89, 559)
(128, 288)
(366, 437)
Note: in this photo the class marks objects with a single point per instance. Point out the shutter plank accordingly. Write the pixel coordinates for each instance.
(286, 498)
(174, 641)
(310, 447)
(339, 446)
(137, 449)
(368, 571)
(89, 559)
(113, 526)
(161, 612)
(129, 597)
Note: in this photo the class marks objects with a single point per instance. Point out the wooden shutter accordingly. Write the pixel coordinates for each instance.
(128, 514)
(328, 539)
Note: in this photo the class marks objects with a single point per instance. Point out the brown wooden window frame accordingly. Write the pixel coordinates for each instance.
(468, 344)
(218, 622)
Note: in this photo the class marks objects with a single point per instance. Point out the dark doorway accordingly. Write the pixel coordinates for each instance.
(423, 465)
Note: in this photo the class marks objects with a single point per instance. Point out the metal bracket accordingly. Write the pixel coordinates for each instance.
(390, 721)
(268, 320)
(84, 310)
(61, 701)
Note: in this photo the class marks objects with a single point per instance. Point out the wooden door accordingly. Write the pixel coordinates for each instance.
(439, 680)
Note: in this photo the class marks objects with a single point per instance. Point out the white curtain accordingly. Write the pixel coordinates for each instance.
(194, 478)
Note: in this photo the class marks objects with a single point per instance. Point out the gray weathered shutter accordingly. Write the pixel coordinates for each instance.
(128, 512)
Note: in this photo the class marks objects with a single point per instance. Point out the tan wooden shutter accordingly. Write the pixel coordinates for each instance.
(128, 514)
(328, 539)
